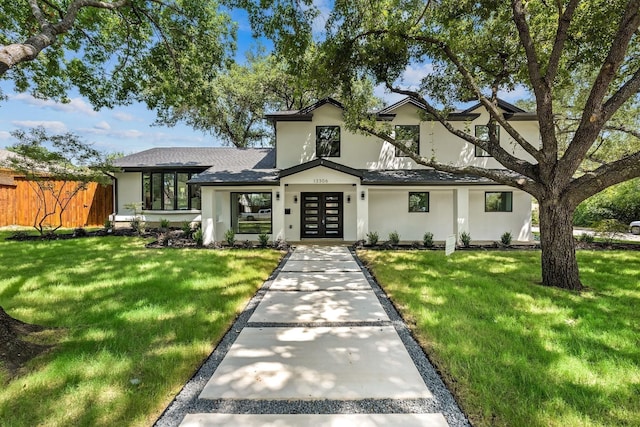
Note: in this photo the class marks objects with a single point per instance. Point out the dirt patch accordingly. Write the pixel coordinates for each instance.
(15, 348)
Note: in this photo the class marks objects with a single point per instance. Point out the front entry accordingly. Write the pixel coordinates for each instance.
(321, 215)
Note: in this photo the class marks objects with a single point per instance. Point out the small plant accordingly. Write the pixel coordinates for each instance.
(164, 224)
(586, 237)
(394, 238)
(263, 240)
(427, 239)
(198, 236)
(79, 232)
(465, 239)
(108, 225)
(136, 222)
(186, 229)
(230, 237)
(372, 238)
(506, 238)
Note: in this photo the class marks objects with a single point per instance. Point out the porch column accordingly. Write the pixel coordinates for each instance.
(209, 216)
(277, 213)
(461, 211)
(362, 212)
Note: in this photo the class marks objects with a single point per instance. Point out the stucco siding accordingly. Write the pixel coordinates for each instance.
(491, 225)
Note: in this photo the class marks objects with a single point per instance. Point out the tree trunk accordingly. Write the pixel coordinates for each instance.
(559, 263)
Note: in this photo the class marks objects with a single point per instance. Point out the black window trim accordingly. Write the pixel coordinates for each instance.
(339, 141)
(497, 192)
(399, 153)
(479, 152)
(419, 192)
(191, 173)
(232, 201)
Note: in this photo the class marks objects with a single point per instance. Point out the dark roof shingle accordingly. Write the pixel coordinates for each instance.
(230, 158)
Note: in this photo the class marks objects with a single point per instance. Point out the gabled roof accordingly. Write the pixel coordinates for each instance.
(304, 114)
(199, 158)
(320, 162)
(419, 177)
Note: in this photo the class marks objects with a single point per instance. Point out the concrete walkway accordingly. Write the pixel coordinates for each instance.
(319, 345)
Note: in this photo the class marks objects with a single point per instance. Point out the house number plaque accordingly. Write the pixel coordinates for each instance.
(320, 181)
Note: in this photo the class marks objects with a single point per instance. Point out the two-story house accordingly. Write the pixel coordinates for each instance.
(324, 182)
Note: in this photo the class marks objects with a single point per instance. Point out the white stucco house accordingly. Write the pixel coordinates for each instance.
(321, 181)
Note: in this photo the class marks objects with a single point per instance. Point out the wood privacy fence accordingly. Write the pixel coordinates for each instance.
(90, 207)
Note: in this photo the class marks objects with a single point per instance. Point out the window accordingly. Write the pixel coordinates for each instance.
(327, 141)
(409, 136)
(419, 202)
(251, 213)
(482, 132)
(498, 201)
(168, 190)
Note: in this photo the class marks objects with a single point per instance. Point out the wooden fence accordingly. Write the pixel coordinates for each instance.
(19, 204)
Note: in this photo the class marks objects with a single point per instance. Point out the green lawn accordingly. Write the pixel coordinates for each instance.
(124, 313)
(519, 354)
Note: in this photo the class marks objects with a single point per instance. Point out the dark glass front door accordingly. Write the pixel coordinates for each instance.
(321, 215)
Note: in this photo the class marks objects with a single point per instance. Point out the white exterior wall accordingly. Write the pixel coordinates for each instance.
(296, 142)
(389, 211)
(130, 192)
(491, 225)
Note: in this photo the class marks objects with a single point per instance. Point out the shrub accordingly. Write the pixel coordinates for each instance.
(263, 240)
(586, 238)
(372, 238)
(79, 232)
(186, 229)
(608, 228)
(427, 239)
(198, 236)
(108, 224)
(465, 238)
(230, 237)
(506, 238)
(164, 223)
(620, 202)
(394, 238)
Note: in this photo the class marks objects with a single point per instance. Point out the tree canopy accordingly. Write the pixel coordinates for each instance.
(113, 51)
(477, 50)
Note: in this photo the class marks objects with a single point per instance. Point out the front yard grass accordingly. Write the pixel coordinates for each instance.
(518, 354)
(131, 324)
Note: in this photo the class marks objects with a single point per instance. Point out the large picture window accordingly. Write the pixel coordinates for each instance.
(419, 201)
(251, 213)
(409, 136)
(327, 141)
(498, 201)
(168, 190)
(482, 132)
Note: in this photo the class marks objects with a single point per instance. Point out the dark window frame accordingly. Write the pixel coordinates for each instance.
(479, 152)
(428, 198)
(333, 152)
(508, 202)
(416, 143)
(192, 190)
(234, 218)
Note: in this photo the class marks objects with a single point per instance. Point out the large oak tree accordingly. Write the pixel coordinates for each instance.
(478, 49)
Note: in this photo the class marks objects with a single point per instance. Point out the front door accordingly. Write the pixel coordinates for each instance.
(321, 215)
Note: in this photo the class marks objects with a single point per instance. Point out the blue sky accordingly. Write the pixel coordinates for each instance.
(130, 129)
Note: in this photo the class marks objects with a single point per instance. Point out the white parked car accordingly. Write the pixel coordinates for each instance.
(634, 227)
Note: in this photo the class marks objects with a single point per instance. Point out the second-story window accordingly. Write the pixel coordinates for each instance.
(409, 136)
(482, 132)
(327, 141)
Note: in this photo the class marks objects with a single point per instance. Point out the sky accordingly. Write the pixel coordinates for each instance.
(129, 129)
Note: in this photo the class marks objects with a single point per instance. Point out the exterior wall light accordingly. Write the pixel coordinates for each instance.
(277, 195)
(295, 198)
(349, 198)
(362, 195)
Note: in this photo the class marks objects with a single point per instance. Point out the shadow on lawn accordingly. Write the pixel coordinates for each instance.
(138, 324)
(515, 353)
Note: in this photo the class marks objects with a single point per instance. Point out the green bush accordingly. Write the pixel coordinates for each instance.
(186, 229)
(164, 223)
(427, 239)
(465, 238)
(372, 238)
(263, 239)
(198, 236)
(586, 238)
(230, 237)
(620, 202)
(506, 238)
(394, 238)
(608, 228)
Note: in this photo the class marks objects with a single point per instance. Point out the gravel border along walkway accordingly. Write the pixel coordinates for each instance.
(187, 400)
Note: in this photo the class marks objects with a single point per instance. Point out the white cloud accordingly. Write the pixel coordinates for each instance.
(123, 117)
(4, 135)
(520, 92)
(414, 74)
(387, 97)
(103, 125)
(50, 125)
(75, 105)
